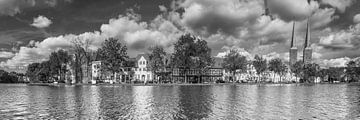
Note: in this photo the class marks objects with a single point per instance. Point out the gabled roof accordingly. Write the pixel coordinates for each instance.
(146, 56)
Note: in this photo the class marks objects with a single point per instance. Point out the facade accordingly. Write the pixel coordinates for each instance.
(142, 73)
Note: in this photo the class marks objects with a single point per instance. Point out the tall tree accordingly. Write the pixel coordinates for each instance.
(260, 65)
(191, 53)
(310, 71)
(297, 68)
(277, 66)
(351, 71)
(58, 61)
(234, 61)
(32, 71)
(114, 55)
(156, 57)
(81, 55)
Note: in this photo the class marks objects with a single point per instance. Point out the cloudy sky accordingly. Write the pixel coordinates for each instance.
(31, 29)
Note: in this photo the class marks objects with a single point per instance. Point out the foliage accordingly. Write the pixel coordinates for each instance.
(234, 61)
(156, 58)
(191, 53)
(6, 77)
(297, 68)
(113, 55)
(351, 71)
(260, 64)
(277, 66)
(310, 71)
(58, 61)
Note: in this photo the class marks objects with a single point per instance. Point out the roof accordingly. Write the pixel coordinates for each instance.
(146, 56)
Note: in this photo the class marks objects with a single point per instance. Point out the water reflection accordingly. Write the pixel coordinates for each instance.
(180, 102)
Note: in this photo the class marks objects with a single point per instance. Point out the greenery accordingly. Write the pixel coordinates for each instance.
(259, 64)
(234, 61)
(191, 53)
(51, 70)
(297, 69)
(156, 60)
(113, 55)
(12, 77)
(277, 66)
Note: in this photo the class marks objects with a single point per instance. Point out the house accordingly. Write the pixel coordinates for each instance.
(142, 71)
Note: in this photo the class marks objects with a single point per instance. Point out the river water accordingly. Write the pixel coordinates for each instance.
(321, 101)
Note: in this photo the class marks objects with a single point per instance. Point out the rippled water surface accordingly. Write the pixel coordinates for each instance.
(339, 101)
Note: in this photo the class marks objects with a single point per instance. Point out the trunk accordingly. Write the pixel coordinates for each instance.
(233, 80)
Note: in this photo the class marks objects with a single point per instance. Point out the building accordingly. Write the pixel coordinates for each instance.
(142, 71)
(307, 52)
(293, 49)
(207, 75)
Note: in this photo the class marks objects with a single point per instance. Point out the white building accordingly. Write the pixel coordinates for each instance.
(142, 73)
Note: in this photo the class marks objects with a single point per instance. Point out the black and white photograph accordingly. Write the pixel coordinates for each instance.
(180, 59)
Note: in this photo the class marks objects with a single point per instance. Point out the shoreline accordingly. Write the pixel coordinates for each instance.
(179, 84)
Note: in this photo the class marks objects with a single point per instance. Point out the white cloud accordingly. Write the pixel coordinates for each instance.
(292, 9)
(41, 22)
(162, 8)
(338, 62)
(339, 4)
(357, 18)
(5, 54)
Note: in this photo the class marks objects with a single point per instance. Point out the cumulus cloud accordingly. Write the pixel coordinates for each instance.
(162, 8)
(356, 18)
(41, 22)
(339, 4)
(138, 36)
(292, 9)
(6, 54)
(226, 16)
(337, 62)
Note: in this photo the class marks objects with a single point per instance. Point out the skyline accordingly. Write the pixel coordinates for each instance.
(31, 30)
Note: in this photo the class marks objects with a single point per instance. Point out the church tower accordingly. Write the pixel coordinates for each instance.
(293, 49)
(307, 52)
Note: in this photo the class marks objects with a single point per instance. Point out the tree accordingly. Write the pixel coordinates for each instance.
(82, 55)
(310, 71)
(58, 61)
(114, 55)
(156, 57)
(351, 71)
(191, 53)
(260, 65)
(234, 61)
(32, 71)
(277, 66)
(322, 73)
(297, 68)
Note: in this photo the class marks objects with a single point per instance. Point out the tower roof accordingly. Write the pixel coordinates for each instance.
(292, 36)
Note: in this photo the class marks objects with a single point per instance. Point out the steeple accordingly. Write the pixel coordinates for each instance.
(293, 50)
(307, 53)
(292, 36)
(307, 37)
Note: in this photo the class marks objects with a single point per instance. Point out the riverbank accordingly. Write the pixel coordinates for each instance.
(182, 84)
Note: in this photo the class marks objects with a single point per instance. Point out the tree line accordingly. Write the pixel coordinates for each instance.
(190, 52)
(11, 77)
(234, 62)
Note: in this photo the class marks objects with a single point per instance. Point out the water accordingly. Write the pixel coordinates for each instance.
(338, 101)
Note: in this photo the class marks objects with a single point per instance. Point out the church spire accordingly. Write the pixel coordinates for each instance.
(307, 37)
(292, 36)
